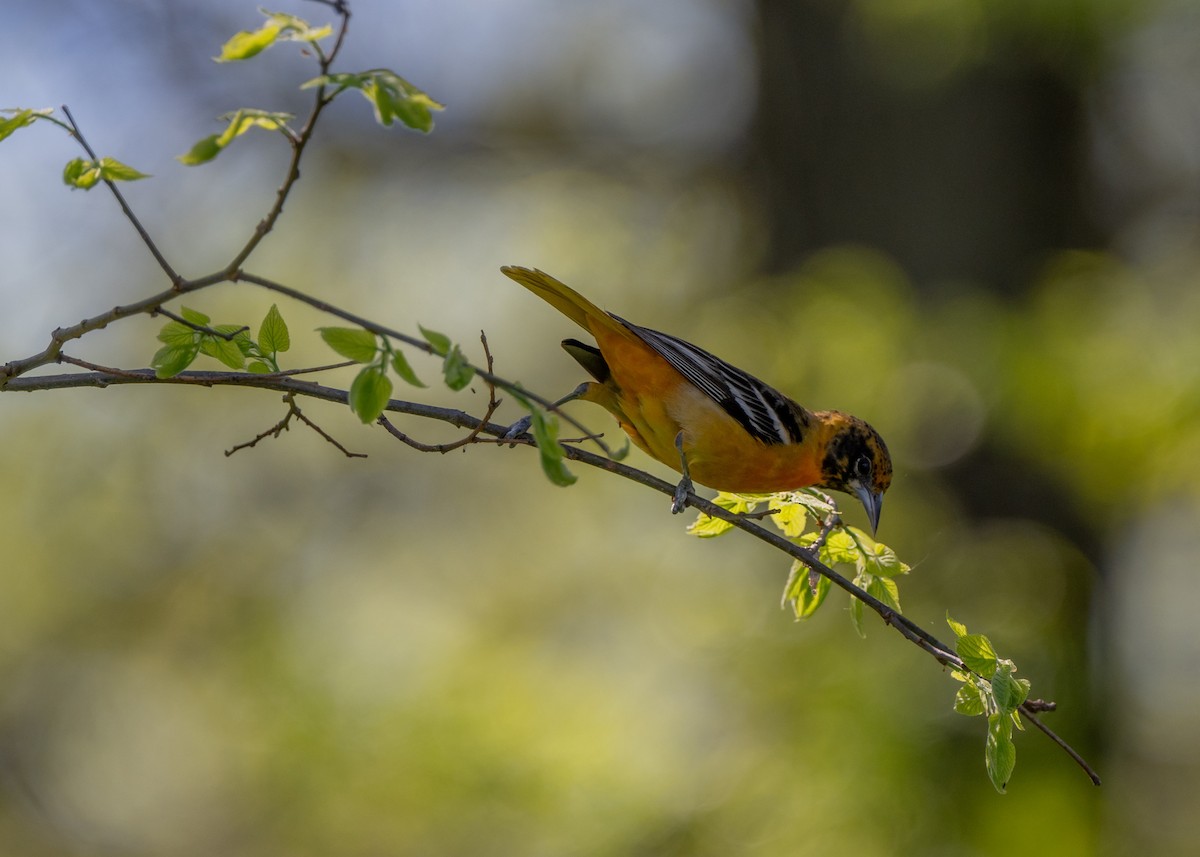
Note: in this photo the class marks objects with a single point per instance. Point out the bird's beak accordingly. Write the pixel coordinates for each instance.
(871, 501)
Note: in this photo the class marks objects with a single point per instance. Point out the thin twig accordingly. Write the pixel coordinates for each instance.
(282, 426)
(472, 436)
(299, 142)
(174, 277)
(228, 337)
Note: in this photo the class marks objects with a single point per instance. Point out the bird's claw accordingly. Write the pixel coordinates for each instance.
(518, 428)
(679, 499)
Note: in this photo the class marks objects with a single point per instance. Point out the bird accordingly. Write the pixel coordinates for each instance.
(712, 422)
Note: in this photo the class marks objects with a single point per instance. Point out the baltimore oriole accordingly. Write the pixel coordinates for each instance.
(709, 420)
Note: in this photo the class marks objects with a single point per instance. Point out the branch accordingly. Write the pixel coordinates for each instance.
(283, 425)
(908, 629)
(299, 143)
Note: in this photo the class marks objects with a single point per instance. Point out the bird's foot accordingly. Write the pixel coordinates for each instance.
(518, 428)
(679, 499)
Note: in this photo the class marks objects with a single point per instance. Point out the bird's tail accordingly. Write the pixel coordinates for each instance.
(562, 297)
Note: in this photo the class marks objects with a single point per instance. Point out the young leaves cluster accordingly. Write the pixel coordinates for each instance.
(20, 117)
(990, 688)
(875, 565)
(279, 27)
(79, 173)
(392, 97)
(238, 123)
(231, 344)
(84, 174)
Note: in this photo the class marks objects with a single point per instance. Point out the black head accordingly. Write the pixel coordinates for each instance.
(856, 461)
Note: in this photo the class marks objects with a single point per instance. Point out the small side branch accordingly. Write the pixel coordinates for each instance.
(283, 424)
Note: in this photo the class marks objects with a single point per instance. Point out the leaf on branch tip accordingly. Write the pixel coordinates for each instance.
(370, 393)
(280, 27)
(273, 336)
(353, 343)
(392, 97)
(86, 174)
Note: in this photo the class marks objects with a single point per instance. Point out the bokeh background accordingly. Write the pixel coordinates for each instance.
(974, 223)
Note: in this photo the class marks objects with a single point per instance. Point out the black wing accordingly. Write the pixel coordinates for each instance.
(759, 408)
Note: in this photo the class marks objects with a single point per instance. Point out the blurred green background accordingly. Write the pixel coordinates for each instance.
(972, 222)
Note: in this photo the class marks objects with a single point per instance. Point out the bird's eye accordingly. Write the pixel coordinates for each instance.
(862, 467)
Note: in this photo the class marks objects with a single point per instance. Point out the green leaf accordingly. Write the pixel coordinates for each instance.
(400, 364)
(174, 333)
(545, 435)
(1001, 753)
(439, 341)
(457, 372)
(545, 432)
(705, 527)
(977, 653)
(353, 343)
(273, 336)
(20, 118)
(840, 547)
(370, 392)
(881, 560)
(805, 601)
(81, 173)
(392, 97)
(225, 350)
(85, 174)
(886, 590)
(970, 700)
(202, 151)
(958, 628)
(114, 171)
(1008, 691)
(170, 360)
(856, 617)
(258, 367)
(790, 517)
(194, 316)
(243, 45)
(280, 27)
(238, 123)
